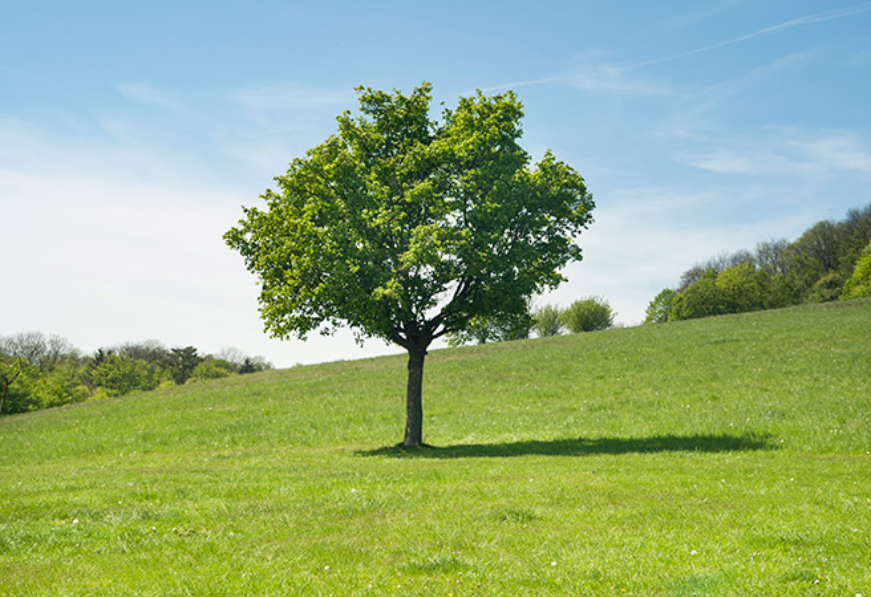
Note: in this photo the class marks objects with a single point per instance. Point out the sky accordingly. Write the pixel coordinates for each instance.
(132, 133)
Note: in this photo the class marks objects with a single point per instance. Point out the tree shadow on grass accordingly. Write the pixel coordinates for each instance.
(586, 447)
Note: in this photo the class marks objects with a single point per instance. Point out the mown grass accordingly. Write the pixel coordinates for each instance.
(727, 456)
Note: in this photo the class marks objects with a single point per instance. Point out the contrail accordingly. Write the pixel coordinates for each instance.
(818, 17)
(797, 22)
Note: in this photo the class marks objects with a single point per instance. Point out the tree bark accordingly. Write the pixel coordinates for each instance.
(413, 402)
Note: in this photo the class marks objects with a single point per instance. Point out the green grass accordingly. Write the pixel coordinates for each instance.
(727, 456)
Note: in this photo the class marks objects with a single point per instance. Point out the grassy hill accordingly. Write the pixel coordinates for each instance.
(727, 456)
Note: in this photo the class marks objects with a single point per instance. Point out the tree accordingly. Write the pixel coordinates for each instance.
(718, 263)
(814, 254)
(29, 359)
(588, 315)
(17, 354)
(769, 256)
(658, 309)
(406, 229)
(502, 328)
(242, 363)
(119, 374)
(548, 321)
(740, 289)
(212, 368)
(152, 352)
(859, 284)
(701, 299)
(183, 362)
(855, 235)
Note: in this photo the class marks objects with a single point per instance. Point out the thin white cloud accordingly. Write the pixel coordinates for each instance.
(610, 79)
(287, 96)
(642, 233)
(123, 242)
(781, 150)
(145, 93)
(819, 17)
(835, 150)
(619, 80)
(597, 78)
(513, 85)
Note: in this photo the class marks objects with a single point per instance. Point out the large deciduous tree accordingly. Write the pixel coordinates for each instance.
(406, 228)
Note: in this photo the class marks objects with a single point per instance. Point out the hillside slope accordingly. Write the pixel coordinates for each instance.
(725, 456)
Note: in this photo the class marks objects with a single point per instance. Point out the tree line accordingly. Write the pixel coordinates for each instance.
(588, 314)
(830, 261)
(39, 371)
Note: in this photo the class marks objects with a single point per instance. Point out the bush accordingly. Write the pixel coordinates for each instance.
(740, 289)
(547, 321)
(827, 288)
(118, 375)
(658, 309)
(211, 368)
(588, 315)
(493, 329)
(859, 284)
(701, 299)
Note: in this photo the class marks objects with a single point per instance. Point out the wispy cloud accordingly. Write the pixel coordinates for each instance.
(818, 17)
(695, 103)
(287, 96)
(652, 221)
(785, 151)
(610, 79)
(145, 93)
(598, 78)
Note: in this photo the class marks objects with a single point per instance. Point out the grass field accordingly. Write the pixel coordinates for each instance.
(728, 456)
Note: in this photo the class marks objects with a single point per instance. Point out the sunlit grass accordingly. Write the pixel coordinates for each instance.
(727, 456)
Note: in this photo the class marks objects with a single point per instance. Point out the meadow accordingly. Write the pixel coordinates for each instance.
(724, 456)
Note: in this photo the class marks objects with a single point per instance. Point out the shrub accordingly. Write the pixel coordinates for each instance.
(827, 288)
(859, 284)
(659, 308)
(588, 315)
(702, 299)
(211, 368)
(547, 321)
(482, 330)
(118, 375)
(740, 289)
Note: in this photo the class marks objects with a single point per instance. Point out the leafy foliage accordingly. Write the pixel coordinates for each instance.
(396, 216)
(588, 315)
(407, 229)
(211, 368)
(818, 267)
(118, 374)
(39, 372)
(859, 284)
(659, 308)
(513, 326)
(548, 321)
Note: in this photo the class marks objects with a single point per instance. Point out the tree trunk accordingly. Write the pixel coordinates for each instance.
(413, 402)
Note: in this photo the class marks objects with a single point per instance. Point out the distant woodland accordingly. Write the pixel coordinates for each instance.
(39, 371)
(830, 261)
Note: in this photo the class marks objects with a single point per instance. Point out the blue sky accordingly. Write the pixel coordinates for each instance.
(131, 133)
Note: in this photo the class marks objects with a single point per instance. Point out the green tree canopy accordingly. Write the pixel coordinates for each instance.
(406, 229)
(588, 315)
(548, 321)
(658, 309)
(859, 284)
